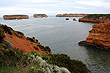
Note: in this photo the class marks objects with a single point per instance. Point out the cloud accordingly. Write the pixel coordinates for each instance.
(95, 3)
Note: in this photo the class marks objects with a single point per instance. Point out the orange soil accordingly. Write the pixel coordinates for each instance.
(22, 43)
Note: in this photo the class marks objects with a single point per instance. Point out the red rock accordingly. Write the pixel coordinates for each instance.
(10, 17)
(99, 36)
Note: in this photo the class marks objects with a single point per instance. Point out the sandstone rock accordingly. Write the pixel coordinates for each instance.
(99, 36)
(39, 15)
(10, 17)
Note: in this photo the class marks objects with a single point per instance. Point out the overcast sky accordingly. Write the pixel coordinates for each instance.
(53, 7)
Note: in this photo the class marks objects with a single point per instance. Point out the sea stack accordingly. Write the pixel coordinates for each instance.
(10, 17)
(74, 19)
(67, 18)
(99, 36)
(39, 15)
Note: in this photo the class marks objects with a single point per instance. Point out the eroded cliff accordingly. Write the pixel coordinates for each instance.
(99, 36)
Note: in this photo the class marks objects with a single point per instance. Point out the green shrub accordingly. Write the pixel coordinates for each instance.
(48, 48)
(19, 34)
(3, 46)
(7, 29)
(2, 35)
(36, 47)
(9, 45)
(31, 39)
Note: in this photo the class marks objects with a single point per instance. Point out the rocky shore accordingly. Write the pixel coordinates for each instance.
(39, 15)
(71, 15)
(10, 17)
(99, 36)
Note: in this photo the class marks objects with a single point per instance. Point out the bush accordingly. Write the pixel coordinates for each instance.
(2, 35)
(19, 34)
(36, 47)
(9, 45)
(7, 29)
(31, 39)
(3, 46)
(48, 48)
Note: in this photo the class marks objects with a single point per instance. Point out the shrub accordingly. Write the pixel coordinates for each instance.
(31, 39)
(3, 46)
(9, 45)
(7, 29)
(19, 34)
(2, 35)
(48, 48)
(36, 47)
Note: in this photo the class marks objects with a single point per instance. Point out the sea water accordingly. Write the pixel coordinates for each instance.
(63, 36)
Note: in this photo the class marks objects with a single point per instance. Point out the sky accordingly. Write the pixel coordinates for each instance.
(53, 7)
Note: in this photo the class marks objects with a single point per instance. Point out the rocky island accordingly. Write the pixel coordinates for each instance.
(39, 15)
(99, 36)
(71, 15)
(10, 17)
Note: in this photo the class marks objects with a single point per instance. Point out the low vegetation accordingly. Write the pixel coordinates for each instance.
(32, 39)
(19, 34)
(6, 29)
(95, 16)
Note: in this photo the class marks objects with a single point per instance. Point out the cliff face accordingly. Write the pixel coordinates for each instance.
(39, 15)
(10, 17)
(99, 36)
(92, 20)
(71, 15)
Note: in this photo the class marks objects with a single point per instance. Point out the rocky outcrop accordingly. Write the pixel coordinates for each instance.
(39, 15)
(88, 20)
(99, 36)
(74, 19)
(67, 18)
(10, 17)
(71, 15)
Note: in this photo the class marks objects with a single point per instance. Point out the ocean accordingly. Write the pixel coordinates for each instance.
(62, 37)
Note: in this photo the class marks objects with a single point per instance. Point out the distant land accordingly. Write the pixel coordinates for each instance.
(39, 15)
(71, 15)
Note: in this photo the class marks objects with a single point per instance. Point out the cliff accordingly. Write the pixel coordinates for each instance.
(99, 36)
(95, 18)
(71, 15)
(39, 15)
(21, 42)
(10, 17)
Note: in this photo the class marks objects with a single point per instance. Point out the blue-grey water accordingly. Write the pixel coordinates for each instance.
(63, 36)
